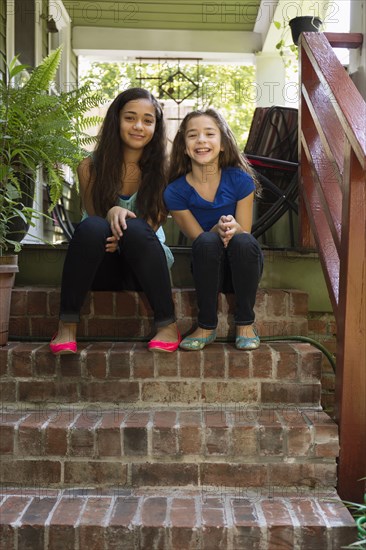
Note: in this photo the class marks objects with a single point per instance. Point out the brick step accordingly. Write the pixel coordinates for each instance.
(240, 446)
(34, 312)
(286, 373)
(175, 519)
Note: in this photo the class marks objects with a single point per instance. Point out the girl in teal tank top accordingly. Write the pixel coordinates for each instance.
(119, 243)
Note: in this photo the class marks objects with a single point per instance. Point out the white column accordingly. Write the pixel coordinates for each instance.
(357, 66)
(270, 79)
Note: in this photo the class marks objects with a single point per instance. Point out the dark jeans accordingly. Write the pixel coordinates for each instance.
(237, 268)
(139, 264)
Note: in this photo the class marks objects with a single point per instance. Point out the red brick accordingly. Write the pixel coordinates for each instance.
(190, 364)
(299, 441)
(271, 441)
(232, 391)
(6, 440)
(22, 359)
(4, 356)
(30, 472)
(120, 361)
(214, 361)
(135, 440)
(96, 360)
(44, 362)
(310, 362)
(189, 434)
(19, 326)
(248, 531)
(215, 532)
(103, 303)
(91, 523)
(30, 436)
(291, 475)
(120, 528)
(287, 361)
(37, 303)
(184, 532)
(298, 303)
(31, 533)
(12, 508)
(114, 328)
(279, 524)
(290, 393)
(164, 474)
(217, 441)
(277, 303)
(7, 391)
(111, 391)
(18, 304)
(229, 475)
(62, 526)
(262, 362)
(244, 441)
(70, 365)
(95, 473)
(169, 392)
(153, 514)
(313, 533)
(126, 303)
(166, 364)
(46, 390)
(143, 362)
(56, 434)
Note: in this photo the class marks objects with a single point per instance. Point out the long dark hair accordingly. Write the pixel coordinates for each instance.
(230, 156)
(107, 163)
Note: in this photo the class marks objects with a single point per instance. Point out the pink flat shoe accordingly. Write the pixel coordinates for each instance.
(157, 345)
(64, 348)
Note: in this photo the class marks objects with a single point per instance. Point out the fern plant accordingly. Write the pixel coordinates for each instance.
(37, 129)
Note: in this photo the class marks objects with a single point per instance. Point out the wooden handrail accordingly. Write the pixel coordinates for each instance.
(352, 40)
(332, 146)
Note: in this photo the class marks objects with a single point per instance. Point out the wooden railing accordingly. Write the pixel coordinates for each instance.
(332, 147)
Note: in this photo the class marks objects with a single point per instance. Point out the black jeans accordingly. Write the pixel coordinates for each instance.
(237, 268)
(139, 264)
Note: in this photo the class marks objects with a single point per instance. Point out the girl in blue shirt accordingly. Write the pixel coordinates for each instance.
(118, 245)
(211, 198)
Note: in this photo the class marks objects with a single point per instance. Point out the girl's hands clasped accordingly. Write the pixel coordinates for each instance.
(117, 217)
(227, 227)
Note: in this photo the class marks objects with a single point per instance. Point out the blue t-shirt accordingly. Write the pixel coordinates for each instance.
(235, 184)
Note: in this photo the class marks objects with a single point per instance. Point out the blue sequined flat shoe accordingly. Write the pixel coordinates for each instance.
(244, 343)
(195, 344)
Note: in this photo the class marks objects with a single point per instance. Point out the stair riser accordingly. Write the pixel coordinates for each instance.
(98, 474)
(128, 373)
(188, 523)
(127, 314)
(240, 436)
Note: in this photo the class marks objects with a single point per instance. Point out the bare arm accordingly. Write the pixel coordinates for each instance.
(187, 223)
(86, 185)
(228, 226)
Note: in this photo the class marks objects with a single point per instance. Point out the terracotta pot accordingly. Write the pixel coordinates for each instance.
(304, 23)
(8, 269)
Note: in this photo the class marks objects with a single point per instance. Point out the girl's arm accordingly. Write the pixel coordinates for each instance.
(244, 213)
(187, 223)
(86, 185)
(228, 226)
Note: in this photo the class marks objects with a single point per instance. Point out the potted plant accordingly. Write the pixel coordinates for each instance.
(295, 26)
(37, 129)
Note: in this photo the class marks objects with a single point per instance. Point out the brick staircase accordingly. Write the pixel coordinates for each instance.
(120, 448)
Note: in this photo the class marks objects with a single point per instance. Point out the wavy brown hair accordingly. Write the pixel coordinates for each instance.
(230, 156)
(108, 163)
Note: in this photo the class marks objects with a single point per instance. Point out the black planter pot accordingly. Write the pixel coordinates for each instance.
(304, 23)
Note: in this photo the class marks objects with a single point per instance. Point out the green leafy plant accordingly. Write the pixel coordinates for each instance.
(38, 128)
(359, 513)
(284, 46)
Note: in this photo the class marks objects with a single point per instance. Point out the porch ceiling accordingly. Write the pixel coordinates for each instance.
(214, 31)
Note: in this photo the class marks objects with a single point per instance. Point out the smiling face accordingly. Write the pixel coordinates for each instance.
(137, 123)
(203, 140)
